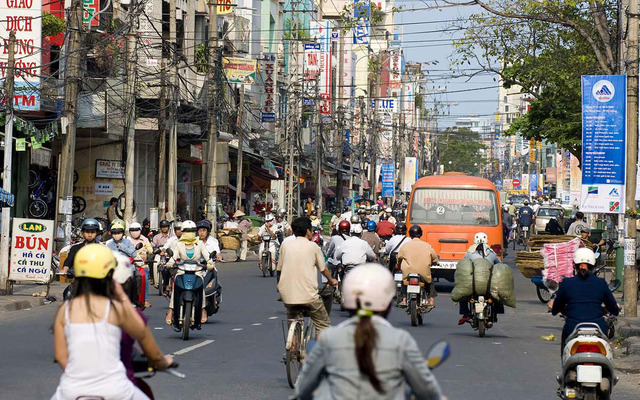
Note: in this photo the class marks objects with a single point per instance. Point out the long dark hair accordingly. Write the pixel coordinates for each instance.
(96, 287)
(366, 338)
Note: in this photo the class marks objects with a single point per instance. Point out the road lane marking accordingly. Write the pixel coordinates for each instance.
(236, 329)
(273, 317)
(257, 324)
(191, 348)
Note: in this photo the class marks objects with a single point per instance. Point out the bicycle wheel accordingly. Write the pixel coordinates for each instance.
(38, 208)
(79, 204)
(34, 179)
(293, 360)
(543, 294)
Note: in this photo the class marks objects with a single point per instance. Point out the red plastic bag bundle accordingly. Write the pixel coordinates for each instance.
(558, 259)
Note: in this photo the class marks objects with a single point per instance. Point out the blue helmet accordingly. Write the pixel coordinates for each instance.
(90, 224)
(371, 226)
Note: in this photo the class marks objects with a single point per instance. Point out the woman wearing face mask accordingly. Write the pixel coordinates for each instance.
(188, 248)
(120, 243)
(136, 237)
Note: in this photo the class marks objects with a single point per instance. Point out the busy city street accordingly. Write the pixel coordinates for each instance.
(238, 353)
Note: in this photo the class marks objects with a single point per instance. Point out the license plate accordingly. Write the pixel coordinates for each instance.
(397, 277)
(589, 373)
(446, 265)
(413, 289)
(479, 307)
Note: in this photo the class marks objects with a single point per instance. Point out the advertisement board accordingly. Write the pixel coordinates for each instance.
(321, 31)
(388, 173)
(268, 72)
(31, 249)
(603, 143)
(410, 173)
(239, 70)
(112, 169)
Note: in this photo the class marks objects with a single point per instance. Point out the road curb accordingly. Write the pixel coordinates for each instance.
(17, 305)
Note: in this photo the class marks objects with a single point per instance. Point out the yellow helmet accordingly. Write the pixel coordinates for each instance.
(94, 261)
(117, 226)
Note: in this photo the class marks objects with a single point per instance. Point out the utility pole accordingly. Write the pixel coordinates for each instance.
(240, 131)
(172, 172)
(8, 159)
(292, 107)
(212, 154)
(162, 142)
(319, 134)
(341, 138)
(130, 134)
(630, 271)
(68, 152)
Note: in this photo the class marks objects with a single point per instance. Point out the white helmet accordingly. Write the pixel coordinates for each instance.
(135, 226)
(368, 287)
(188, 226)
(388, 210)
(268, 217)
(584, 256)
(481, 237)
(356, 229)
(123, 271)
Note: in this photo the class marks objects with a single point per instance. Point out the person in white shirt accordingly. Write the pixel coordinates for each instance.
(336, 241)
(396, 242)
(210, 243)
(390, 216)
(269, 228)
(354, 251)
(173, 239)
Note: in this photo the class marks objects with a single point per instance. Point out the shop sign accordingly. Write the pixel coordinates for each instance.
(31, 249)
(111, 169)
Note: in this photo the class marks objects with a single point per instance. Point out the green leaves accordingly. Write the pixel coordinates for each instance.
(462, 148)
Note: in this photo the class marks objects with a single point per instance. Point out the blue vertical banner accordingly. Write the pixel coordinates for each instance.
(388, 172)
(604, 110)
(533, 185)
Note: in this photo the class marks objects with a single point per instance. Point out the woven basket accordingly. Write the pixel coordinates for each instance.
(230, 242)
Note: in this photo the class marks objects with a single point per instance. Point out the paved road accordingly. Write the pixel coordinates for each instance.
(242, 348)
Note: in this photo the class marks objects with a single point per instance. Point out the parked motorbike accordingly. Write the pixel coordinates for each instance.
(265, 257)
(587, 365)
(416, 298)
(482, 315)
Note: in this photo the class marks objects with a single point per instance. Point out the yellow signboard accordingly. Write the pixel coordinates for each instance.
(240, 70)
(225, 7)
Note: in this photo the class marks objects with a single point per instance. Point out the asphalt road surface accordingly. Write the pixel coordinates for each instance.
(238, 353)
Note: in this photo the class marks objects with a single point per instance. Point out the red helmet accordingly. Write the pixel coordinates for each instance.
(344, 226)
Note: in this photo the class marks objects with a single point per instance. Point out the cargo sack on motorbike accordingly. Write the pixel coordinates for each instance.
(467, 272)
(502, 286)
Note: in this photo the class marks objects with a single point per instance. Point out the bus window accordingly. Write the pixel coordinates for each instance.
(438, 206)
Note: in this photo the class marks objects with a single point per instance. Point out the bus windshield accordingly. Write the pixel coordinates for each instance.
(436, 206)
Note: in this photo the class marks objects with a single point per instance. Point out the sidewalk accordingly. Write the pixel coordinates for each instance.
(23, 298)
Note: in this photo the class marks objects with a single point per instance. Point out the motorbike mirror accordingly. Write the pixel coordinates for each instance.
(615, 284)
(138, 246)
(158, 251)
(169, 253)
(438, 354)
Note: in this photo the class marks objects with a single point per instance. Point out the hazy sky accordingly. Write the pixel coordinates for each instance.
(437, 47)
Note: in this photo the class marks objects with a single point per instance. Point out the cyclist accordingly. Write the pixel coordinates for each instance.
(394, 244)
(335, 242)
(365, 357)
(298, 266)
(88, 329)
(90, 230)
(120, 243)
(417, 256)
(163, 236)
(354, 250)
(269, 228)
(371, 237)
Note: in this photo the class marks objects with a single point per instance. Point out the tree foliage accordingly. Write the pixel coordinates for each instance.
(461, 147)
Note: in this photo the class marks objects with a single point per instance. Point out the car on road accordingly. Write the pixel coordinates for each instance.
(544, 214)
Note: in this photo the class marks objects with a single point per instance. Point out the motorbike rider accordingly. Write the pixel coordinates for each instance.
(189, 248)
(298, 266)
(389, 213)
(315, 221)
(385, 227)
(136, 237)
(396, 242)
(417, 256)
(335, 220)
(173, 239)
(365, 357)
(90, 229)
(507, 224)
(525, 217)
(369, 215)
(479, 249)
(580, 297)
(282, 226)
(371, 237)
(335, 242)
(268, 228)
(161, 238)
(362, 214)
(354, 250)
(119, 242)
(511, 209)
(210, 242)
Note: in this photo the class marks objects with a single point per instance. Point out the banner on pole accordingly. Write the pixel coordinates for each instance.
(410, 173)
(603, 143)
(388, 179)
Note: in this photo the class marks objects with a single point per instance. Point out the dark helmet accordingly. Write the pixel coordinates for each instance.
(384, 217)
(90, 224)
(344, 226)
(415, 231)
(165, 224)
(205, 223)
(401, 229)
(371, 226)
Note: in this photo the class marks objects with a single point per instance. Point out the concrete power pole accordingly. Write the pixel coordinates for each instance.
(292, 108)
(162, 143)
(130, 134)
(212, 159)
(172, 170)
(341, 133)
(8, 157)
(630, 271)
(239, 130)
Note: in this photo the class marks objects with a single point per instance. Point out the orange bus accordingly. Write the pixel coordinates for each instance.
(451, 209)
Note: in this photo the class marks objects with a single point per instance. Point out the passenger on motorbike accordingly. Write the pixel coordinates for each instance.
(120, 243)
(269, 228)
(394, 244)
(282, 226)
(385, 227)
(580, 298)
(163, 236)
(417, 257)
(354, 251)
(210, 242)
(135, 236)
(335, 242)
(90, 229)
(525, 217)
(371, 237)
(479, 249)
(390, 217)
(315, 221)
(173, 239)
(189, 248)
(88, 329)
(365, 357)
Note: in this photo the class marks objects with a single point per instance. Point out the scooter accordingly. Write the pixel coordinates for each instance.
(265, 257)
(157, 264)
(416, 298)
(342, 271)
(143, 370)
(397, 277)
(187, 298)
(212, 291)
(587, 365)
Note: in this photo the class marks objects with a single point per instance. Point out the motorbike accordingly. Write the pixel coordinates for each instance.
(397, 277)
(265, 257)
(341, 272)
(523, 236)
(187, 298)
(317, 237)
(157, 263)
(482, 315)
(587, 365)
(416, 298)
(143, 370)
(212, 291)
(382, 253)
